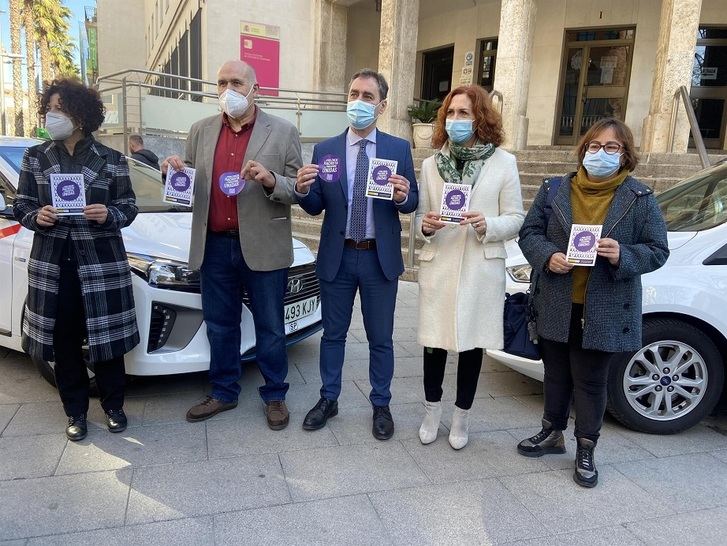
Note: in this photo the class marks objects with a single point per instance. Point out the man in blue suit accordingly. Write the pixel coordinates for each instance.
(360, 245)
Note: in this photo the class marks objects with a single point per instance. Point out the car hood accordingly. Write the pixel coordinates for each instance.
(167, 235)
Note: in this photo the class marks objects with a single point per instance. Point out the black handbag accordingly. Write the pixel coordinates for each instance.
(519, 326)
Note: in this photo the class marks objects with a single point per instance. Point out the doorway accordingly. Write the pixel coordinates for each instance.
(709, 85)
(437, 73)
(594, 80)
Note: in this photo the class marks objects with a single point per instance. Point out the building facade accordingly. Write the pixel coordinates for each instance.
(559, 65)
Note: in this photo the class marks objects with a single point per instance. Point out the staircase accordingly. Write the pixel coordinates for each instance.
(659, 171)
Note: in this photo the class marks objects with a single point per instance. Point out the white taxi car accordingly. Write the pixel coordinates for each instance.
(678, 376)
(166, 293)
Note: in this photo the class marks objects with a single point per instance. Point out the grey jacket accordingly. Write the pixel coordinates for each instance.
(612, 310)
(264, 219)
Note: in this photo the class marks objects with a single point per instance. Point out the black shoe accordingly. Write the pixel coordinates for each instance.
(383, 427)
(318, 416)
(77, 428)
(586, 474)
(545, 442)
(116, 420)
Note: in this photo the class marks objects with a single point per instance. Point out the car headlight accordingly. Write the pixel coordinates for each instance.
(163, 273)
(520, 273)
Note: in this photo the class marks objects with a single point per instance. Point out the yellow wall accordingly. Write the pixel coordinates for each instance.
(362, 41)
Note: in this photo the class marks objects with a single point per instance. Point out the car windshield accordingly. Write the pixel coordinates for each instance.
(146, 181)
(148, 187)
(698, 203)
(13, 155)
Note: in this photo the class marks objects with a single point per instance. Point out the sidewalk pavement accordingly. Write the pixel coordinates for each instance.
(231, 480)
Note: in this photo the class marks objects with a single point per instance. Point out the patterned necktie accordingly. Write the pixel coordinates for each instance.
(358, 201)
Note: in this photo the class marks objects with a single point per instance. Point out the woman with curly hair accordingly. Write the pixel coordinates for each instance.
(462, 265)
(78, 275)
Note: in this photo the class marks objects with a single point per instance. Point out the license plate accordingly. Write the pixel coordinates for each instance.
(300, 309)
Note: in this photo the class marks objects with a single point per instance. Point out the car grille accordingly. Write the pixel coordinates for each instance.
(302, 284)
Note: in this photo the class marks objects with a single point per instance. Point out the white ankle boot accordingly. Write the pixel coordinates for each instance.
(430, 425)
(459, 433)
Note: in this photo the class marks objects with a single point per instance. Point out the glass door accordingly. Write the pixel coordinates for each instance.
(594, 80)
(709, 86)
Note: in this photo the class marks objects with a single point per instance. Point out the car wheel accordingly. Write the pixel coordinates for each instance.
(671, 383)
(46, 371)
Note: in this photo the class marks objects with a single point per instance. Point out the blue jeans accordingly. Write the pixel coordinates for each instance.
(224, 274)
(360, 271)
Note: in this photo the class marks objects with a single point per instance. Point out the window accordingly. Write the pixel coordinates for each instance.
(698, 203)
(486, 69)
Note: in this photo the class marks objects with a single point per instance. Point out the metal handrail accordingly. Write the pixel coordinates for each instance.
(683, 93)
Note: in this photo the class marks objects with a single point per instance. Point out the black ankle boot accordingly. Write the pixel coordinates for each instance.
(545, 442)
(77, 428)
(586, 474)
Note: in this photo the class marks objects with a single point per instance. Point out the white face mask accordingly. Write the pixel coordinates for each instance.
(59, 126)
(233, 103)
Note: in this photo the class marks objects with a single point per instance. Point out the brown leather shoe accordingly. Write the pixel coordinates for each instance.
(277, 414)
(208, 408)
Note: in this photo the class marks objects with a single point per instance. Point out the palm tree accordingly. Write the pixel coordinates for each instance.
(16, 17)
(30, 62)
(52, 33)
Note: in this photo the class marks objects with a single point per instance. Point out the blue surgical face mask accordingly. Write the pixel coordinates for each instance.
(459, 130)
(361, 114)
(601, 164)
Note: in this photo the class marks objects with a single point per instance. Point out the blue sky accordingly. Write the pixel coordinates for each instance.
(77, 9)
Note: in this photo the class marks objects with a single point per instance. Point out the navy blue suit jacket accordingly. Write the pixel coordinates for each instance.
(333, 198)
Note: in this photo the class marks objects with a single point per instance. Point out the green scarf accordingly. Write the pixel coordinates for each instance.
(473, 158)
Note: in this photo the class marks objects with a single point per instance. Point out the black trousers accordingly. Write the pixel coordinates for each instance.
(574, 372)
(468, 372)
(70, 368)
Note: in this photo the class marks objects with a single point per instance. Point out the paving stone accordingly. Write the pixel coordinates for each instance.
(353, 425)
(685, 482)
(703, 527)
(22, 382)
(7, 411)
(603, 536)
(37, 418)
(171, 408)
(694, 440)
(494, 414)
(480, 512)
(563, 506)
(486, 455)
(30, 456)
(62, 504)
(236, 437)
(348, 470)
(612, 448)
(140, 446)
(196, 489)
(303, 397)
(191, 532)
(347, 520)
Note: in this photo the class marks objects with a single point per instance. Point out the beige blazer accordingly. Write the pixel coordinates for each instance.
(264, 220)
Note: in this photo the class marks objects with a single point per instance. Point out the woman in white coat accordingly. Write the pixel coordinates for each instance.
(462, 265)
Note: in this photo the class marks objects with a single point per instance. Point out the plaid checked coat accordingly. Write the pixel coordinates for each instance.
(104, 272)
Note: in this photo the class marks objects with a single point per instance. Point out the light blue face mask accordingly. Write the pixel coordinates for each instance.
(459, 130)
(360, 114)
(601, 164)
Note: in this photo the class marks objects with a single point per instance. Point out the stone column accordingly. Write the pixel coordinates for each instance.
(512, 73)
(329, 63)
(397, 59)
(678, 28)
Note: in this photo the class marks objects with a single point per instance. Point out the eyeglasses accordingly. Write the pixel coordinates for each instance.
(610, 147)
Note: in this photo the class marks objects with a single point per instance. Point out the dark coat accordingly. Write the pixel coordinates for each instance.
(612, 309)
(147, 157)
(103, 266)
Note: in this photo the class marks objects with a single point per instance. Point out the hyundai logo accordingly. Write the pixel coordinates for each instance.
(295, 286)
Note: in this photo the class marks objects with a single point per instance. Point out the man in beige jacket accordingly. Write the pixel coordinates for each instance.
(246, 162)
